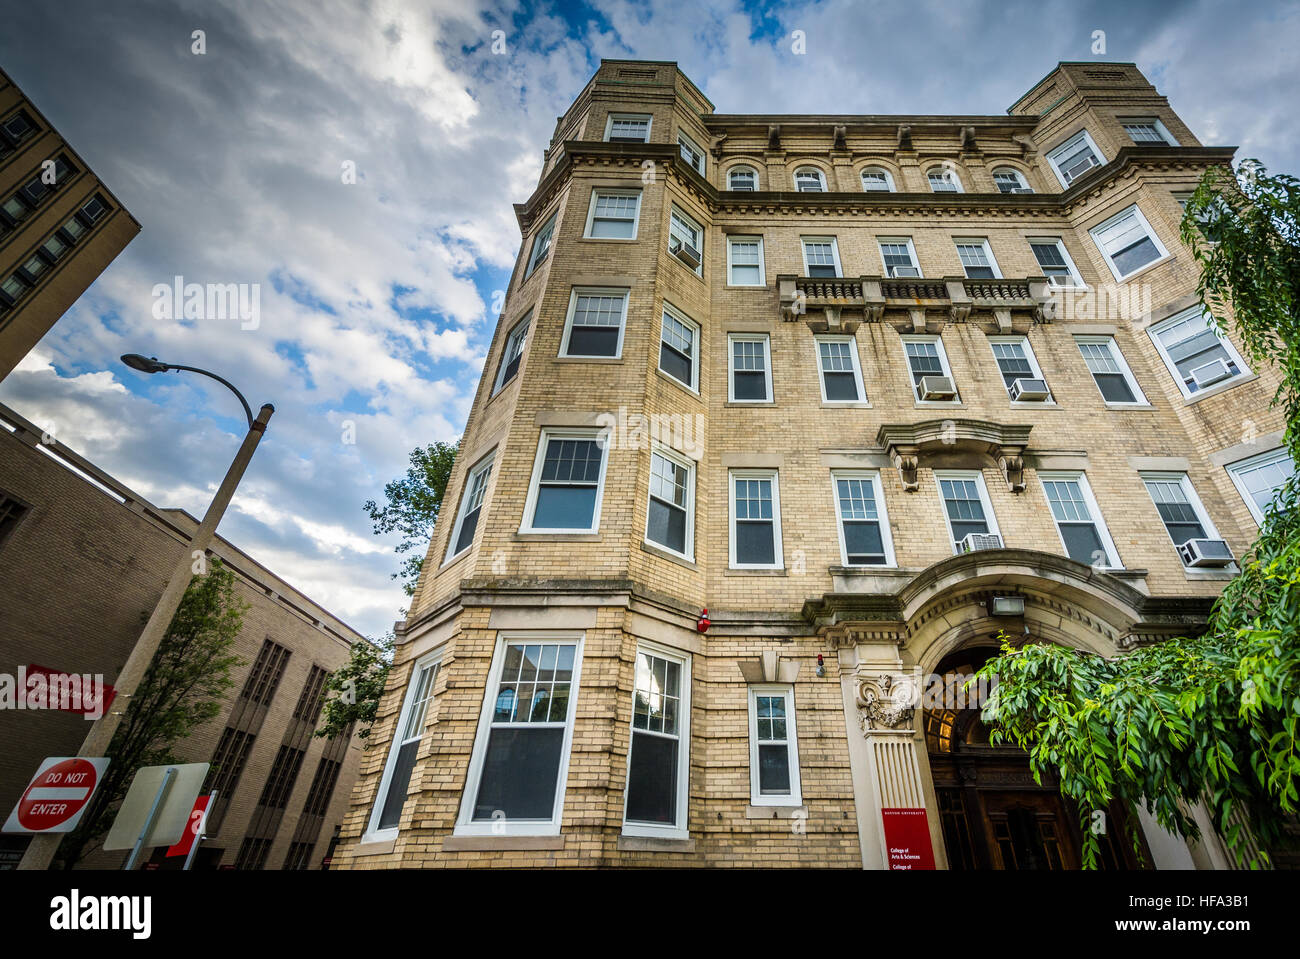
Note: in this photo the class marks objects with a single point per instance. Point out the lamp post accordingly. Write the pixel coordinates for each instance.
(40, 851)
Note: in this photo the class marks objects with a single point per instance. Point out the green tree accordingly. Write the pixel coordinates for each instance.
(1214, 717)
(413, 504)
(359, 684)
(184, 687)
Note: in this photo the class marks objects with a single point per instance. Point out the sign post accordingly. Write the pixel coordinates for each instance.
(157, 807)
(188, 844)
(57, 796)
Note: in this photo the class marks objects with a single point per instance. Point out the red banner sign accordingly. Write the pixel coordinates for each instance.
(194, 829)
(66, 692)
(907, 839)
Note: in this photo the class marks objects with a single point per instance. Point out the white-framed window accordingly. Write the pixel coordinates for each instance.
(742, 179)
(821, 256)
(745, 261)
(658, 760)
(386, 814)
(966, 506)
(1075, 157)
(512, 353)
(809, 179)
(876, 179)
(613, 214)
(541, 245)
(1055, 261)
(749, 373)
(755, 520)
(977, 258)
(471, 507)
(944, 180)
(568, 483)
(1109, 370)
(840, 372)
(899, 256)
(1010, 180)
(1127, 243)
(863, 523)
(1259, 478)
(926, 357)
(594, 324)
(628, 128)
(520, 763)
(1079, 521)
(773, 747)
(1016, 360)
(1179, 507)
(1147, 130)
(670, 510)
(679, 348)
(686, 240)
(1197, 354)
(691, 152)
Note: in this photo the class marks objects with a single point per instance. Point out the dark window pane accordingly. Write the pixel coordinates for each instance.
(593, 341)
(564, 507)
(667, 525)
(840, 386)
(674, 364)
(1181, 532)
(1114, 388)
(1136, 256)
(397, 786)
(774, 770)
(1082, 542)
(754, 543)
(750, 385)
(979, 272)
(467, 527)
(961, 530)
(821, 271)
(519, 774)
(511, 368)
(863, 543)
(652, 779)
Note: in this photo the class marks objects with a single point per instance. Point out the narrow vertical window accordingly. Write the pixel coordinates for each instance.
(679, 348)
(471, 505)
(749, 380)
(686, 240)
(1260, 478)
(821, 256)
(977, 259)
(387, 813)
(1078, 520)
(773, 747)
(1055, 262)
(1109, 371)
(745, 261)
(655, 802)
(671, 507)
(899, 257)
(966, 507)
(841, 377)
(541, 245)
(691, 152)
(613, 215)
(513, 352)
(864, 527)
(755, 520)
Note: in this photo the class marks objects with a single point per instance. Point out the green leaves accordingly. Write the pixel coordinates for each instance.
(359, 685)
(414, 502)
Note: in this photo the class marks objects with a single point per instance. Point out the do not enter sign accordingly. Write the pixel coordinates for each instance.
(57, 795)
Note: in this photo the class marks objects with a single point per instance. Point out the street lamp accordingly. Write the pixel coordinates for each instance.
(40, 851)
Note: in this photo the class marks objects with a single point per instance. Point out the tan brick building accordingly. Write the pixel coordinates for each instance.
(60, 226)
(83, 560)
(872, 389)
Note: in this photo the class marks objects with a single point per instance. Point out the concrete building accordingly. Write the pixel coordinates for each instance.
(83, 561)
(60, 226)
(873, 390)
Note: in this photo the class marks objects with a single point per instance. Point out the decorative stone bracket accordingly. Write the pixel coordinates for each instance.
(909, 445)
(770, 667)
(887, 702)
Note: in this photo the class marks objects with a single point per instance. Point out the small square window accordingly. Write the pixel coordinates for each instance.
(1197, 355)
(1112, 375)
(1075, 157)
(568, 480)
(899, 257)
(1055, 262)
(1128, 243)
(821, 256)
(977, 259)
(613, 215)
(628, 128)
(512, 353)
(594, 326)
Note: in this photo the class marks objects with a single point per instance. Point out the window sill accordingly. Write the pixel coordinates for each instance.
(608, 239)
(732, 571)
(846, 405)
(745, 404)
(1212, 575)
(766, 811)
(931, 404)
(678, 383)
(376, 844)
(746, 286)
(1150, 266)
(1223, 387)
(1129, 406)
(665, 553)
(501, 843)
(457, 558)
(628, 843)
(528, 536)
(588, 359)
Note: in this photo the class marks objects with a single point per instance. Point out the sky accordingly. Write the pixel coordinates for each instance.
(377, 296)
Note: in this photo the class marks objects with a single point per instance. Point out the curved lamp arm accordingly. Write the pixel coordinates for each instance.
(151, 364)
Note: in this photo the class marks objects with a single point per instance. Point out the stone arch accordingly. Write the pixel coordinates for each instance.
(747, 162)
(889, 166)
(812, 163)
(958, 170)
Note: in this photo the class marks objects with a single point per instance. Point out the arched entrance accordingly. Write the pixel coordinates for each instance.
(992, 813)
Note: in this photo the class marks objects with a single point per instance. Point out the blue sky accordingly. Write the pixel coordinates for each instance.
(377, 296)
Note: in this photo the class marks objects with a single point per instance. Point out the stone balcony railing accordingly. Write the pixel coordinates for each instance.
(840, 304)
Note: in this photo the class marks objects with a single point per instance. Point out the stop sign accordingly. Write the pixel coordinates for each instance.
(57, 795)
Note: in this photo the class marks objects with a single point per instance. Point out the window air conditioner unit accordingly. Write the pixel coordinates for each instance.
(904, 271)
(974, 542)
(1210, 373)
(1057, 280)
(937, 388)
(1025, 390)
(684, 252)
(1205, 552)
